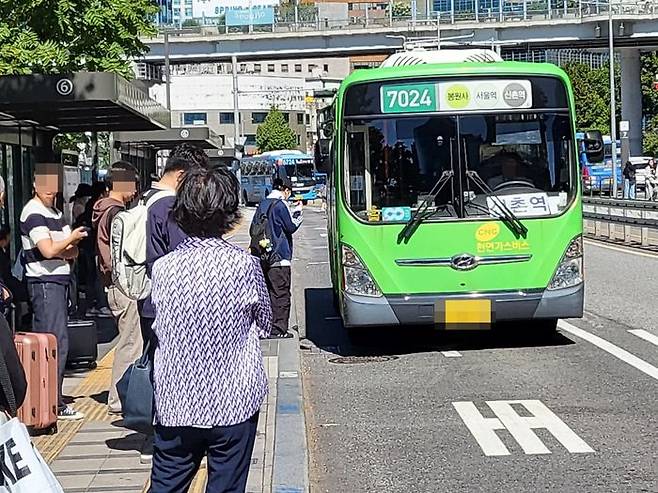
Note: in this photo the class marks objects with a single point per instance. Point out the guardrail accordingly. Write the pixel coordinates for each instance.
(481, 11)
(633, 222)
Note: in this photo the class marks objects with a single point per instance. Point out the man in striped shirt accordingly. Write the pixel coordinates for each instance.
(48, 247)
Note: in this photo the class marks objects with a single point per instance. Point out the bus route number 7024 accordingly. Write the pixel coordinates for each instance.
(416, 98)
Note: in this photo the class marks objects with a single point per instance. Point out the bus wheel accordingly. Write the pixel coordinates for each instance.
(244, 198)
(304, 202)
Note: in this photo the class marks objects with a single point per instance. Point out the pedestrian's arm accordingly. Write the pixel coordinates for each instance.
(287, 223)
(71, 253)
(262, 309)
(49, 248)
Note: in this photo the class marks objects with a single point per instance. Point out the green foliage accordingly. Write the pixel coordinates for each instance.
(650, 102)
(592, 95)
(305, 12)
(59, 36)
(274, 134)
(190, 23)
(402, 9)
(69, 142)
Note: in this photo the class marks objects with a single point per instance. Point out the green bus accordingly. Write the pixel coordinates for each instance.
(454, 196)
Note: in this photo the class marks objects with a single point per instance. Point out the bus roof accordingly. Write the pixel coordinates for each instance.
(453, 69)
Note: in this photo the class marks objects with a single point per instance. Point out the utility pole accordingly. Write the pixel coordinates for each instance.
(613, 102)
(236, 109)
(167, 70)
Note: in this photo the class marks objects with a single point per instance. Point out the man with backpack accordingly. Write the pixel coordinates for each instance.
(271, 240)
(121, 182)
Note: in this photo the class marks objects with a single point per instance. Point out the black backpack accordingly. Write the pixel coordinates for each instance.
(261, 245)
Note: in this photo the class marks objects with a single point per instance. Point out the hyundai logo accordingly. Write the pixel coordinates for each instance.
(464, 261)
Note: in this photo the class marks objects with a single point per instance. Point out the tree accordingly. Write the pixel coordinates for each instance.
(401, 9)
(59, 36)
(650, 102)
(190, 23)
(591, 89)
(274, 134)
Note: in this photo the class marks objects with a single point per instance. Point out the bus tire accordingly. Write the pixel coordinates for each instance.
(304, 202)
(244, 198)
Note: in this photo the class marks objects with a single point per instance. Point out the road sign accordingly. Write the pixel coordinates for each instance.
(520, 427)
(624, 126)
(624, 134)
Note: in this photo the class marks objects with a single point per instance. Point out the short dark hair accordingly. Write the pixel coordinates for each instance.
(207, 202)
(184, 156)
(281, 184)
(120, 169)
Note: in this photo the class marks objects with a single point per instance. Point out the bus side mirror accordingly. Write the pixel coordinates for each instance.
(594, 146)
(328, 129)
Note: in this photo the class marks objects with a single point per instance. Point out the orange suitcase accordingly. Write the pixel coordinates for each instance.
(38, 355)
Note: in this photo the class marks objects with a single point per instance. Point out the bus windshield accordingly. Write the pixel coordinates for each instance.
(527, 156)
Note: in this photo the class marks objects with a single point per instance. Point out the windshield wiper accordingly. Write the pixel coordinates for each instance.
(421, 213)
(506, 215)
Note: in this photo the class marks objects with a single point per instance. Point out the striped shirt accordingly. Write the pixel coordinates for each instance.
(39, 222)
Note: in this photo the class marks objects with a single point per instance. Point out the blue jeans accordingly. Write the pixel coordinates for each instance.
(50, 316)
(177, 455)
(629, 189)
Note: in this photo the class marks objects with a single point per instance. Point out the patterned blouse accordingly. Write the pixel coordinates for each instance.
(212, 306)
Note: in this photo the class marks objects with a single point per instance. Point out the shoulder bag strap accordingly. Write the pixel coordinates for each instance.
(5, 383)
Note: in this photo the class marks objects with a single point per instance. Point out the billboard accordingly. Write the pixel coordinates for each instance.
(250, 17)
(217, 8)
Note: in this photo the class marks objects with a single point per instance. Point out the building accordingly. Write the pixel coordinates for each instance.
(202, 95)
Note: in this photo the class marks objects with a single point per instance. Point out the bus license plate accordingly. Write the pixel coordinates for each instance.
(464, 314)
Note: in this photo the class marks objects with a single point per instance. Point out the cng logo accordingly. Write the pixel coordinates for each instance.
(487, 232)
(534, 416)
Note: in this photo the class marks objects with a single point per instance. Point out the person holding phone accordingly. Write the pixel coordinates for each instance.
(48, 247)
(283, 223)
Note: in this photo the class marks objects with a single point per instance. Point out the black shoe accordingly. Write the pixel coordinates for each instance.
(281, 335)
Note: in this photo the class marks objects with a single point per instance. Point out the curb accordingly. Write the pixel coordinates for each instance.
(290, 468)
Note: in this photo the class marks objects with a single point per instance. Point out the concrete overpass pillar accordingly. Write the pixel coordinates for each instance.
(631, 97)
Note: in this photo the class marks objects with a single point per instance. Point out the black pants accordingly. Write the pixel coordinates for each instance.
(50, 315)
(278, 284)
(177, 455)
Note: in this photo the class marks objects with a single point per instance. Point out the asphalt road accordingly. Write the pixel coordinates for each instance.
(386, 416)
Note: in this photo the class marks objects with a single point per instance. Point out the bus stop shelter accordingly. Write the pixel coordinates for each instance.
(148, 144)
(35, 108)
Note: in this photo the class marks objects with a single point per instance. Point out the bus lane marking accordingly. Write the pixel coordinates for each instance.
(520, 427)
(611, 348)
(647, 336)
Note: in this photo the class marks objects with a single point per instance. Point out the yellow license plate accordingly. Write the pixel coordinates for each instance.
(464, 314)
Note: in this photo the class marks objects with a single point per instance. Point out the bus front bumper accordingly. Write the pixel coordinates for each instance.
(362, 311)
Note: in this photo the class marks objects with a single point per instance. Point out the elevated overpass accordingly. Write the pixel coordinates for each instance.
(585, 26)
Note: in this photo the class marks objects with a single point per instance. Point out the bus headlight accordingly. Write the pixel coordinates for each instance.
(570, 270)
(356, 278)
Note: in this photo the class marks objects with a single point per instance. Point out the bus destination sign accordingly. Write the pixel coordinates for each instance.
(465, 95)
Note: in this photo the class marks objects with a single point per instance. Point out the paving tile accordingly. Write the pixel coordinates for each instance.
(99, 436)
(83, 450)
(90, 465)
(128, 463)
(126, 480)
(78, 481)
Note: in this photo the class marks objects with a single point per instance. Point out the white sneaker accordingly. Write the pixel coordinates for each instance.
(105, 312)
(146, 457)
(69, 414)
(91, 313)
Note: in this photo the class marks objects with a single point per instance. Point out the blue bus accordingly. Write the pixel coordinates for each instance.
(597, 175)
(258, 172)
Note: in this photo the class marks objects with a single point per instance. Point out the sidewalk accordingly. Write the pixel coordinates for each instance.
(98, 455)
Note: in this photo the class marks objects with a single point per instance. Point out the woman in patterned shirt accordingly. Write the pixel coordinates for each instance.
(212, 307)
